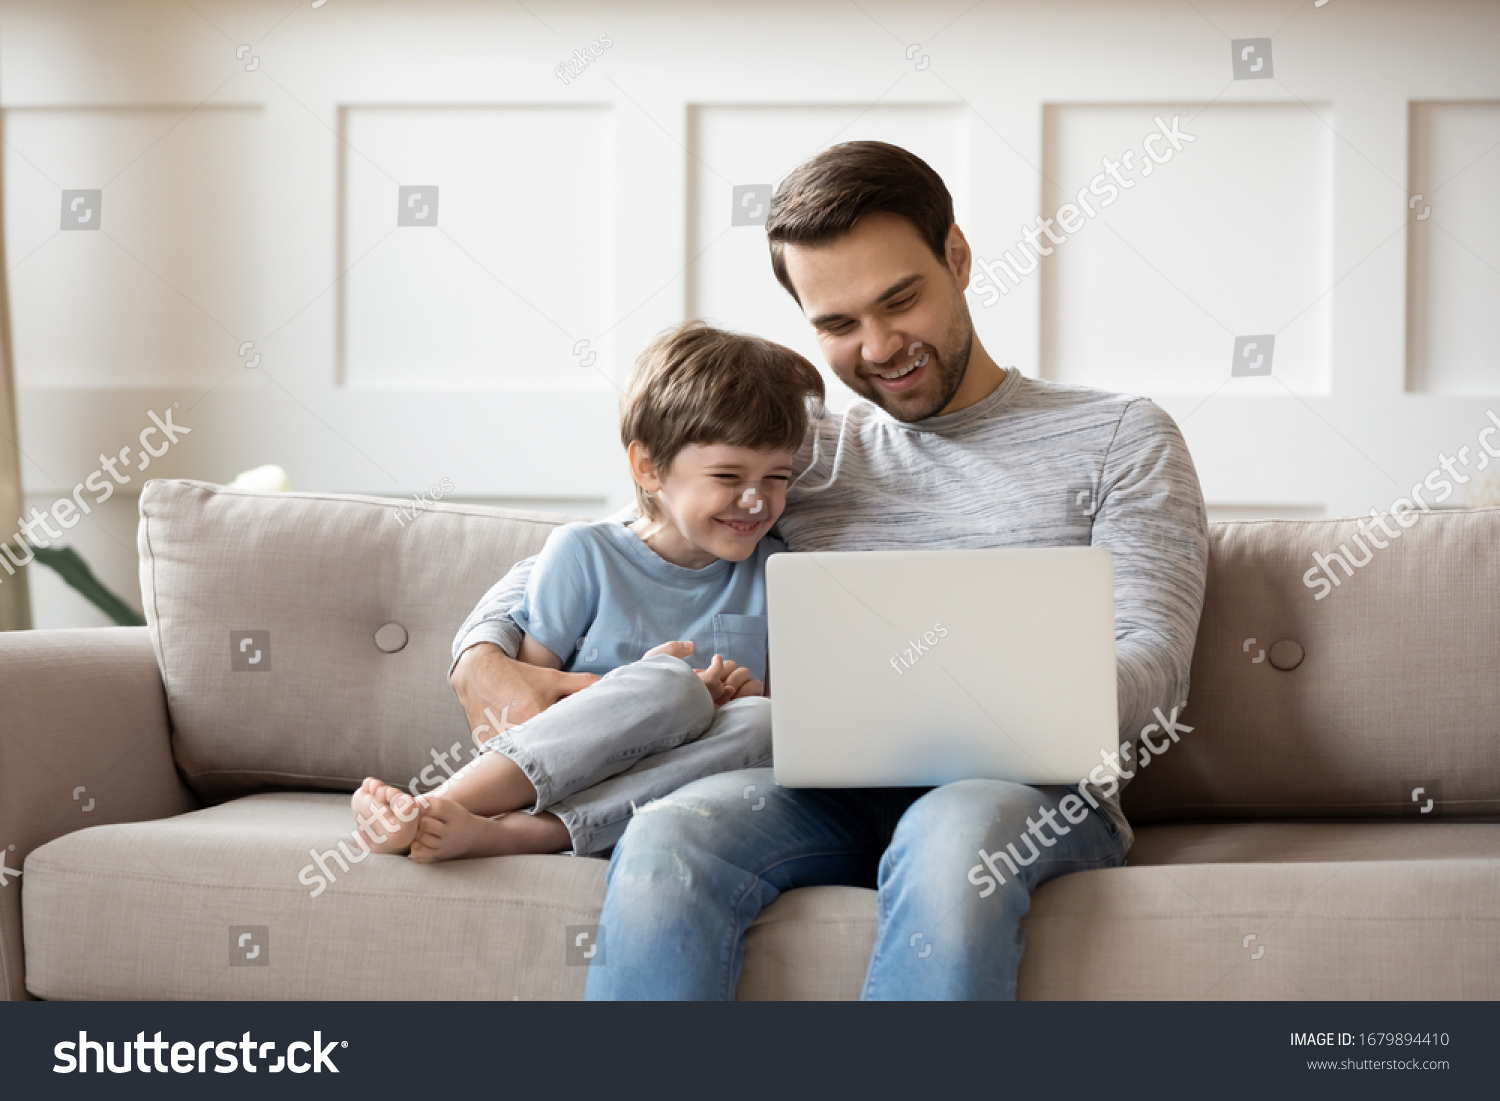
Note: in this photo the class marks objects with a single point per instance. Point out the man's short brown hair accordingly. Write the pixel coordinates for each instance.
(823, 198)
(701, 385)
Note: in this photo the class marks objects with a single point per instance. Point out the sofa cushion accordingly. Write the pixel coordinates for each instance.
(152, 910)
(1393, 683)
(155, 910)
(1309, 842)
(308, 582)
(1371, 929)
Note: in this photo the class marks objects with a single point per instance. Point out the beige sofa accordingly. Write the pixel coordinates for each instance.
(165, 794)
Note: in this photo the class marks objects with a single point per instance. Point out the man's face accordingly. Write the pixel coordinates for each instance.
(890, 318)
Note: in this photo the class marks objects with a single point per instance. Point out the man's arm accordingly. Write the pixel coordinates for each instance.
(1152, 519)
(493, 687)
(490, 621)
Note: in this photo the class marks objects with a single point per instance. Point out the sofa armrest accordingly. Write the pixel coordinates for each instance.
(84, 741)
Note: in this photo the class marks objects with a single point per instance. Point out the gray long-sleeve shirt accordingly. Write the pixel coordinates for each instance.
(1034, 464)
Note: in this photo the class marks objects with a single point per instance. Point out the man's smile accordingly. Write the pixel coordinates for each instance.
(903, 378)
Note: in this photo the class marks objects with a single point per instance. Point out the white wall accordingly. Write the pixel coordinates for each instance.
(255, 199)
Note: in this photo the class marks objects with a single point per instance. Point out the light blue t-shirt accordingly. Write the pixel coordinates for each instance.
(599, 598)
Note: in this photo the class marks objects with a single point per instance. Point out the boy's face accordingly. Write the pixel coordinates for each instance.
(721, 499)
(891, 319)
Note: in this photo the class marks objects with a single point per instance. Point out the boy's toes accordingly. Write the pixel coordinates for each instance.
(404, 807)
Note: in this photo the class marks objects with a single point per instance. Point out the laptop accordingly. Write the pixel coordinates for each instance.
(918, 668)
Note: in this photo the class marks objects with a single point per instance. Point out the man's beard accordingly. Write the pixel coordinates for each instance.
(949, 364)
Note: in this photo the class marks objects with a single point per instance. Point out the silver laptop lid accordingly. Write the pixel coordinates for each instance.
(917, 668)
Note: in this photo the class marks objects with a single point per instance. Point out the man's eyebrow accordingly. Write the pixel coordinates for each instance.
(885, 296)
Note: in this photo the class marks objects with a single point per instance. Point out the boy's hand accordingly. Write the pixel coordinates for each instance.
(716, 679)
(485, 677)
(727, 681)
(724, 679)
(744, 684)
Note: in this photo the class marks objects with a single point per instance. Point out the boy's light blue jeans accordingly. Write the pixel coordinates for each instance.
(640, 732)
(694, 869)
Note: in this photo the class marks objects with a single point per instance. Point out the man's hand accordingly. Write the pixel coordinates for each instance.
(725, 680)
(485, 678)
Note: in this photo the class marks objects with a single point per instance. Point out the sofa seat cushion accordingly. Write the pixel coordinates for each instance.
(154, 910)
(1303, 842)
(1273, 910)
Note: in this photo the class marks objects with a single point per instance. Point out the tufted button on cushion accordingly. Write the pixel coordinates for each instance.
(1286, 655)
(392, 637)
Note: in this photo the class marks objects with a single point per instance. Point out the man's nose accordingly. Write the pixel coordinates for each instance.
(881, 343)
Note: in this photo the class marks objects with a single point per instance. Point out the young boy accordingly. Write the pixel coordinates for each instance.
(710, 421)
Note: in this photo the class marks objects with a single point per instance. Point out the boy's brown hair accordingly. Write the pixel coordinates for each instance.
(701, 385)
(823, 197)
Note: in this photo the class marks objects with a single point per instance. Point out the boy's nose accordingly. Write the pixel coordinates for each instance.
(751, 504)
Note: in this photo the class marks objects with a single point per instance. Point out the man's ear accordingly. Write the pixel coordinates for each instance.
(960, 258)
(642, 469)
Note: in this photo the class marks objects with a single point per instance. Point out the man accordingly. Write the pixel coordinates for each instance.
(950, 451)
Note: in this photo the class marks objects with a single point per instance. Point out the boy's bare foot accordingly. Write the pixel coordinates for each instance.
(384, 812)
(446, 831)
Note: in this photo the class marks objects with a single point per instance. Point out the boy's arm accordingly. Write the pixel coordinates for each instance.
(534, 653)
(491, 619)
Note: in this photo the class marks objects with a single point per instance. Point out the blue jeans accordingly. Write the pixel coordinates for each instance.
(695, 868)
(639, 733)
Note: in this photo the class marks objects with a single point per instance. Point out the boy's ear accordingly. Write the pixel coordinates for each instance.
(642, 469)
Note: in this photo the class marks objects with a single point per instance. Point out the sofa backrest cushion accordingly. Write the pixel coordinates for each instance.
(1368, 702)
(1397, 687)
(307, 581)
